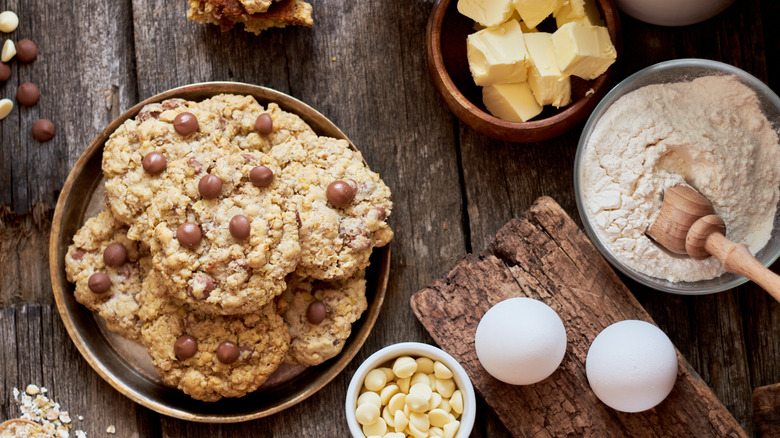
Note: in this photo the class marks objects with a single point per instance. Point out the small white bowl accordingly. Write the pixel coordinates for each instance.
(415, 350)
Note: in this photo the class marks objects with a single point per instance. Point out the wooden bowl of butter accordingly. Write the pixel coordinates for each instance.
(523, 70)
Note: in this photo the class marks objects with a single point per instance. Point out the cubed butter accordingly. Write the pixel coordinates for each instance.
(584, 11)
(486, 12)
(582, 50)
(497, 54)
(511, 102)
(524, 27)
(534, 12)
(549, 85)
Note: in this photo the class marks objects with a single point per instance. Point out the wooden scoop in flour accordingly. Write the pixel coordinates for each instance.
(687, 224)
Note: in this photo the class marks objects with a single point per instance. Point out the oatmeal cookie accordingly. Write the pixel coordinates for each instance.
(108, 270)
(320, 316)
(210, 356)
(222, 125)
(230, 254)
(228, 13)
(343, 206)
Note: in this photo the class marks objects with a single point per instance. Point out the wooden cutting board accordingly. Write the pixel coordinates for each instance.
(544, 255)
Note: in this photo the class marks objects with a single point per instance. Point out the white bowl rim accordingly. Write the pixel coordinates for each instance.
(682, 288)
(383, 355)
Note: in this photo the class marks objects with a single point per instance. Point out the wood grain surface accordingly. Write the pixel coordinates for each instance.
(544, 256)
(362, 65)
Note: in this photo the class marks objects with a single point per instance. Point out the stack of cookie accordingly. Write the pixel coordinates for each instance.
(255, 15)
(234, 239)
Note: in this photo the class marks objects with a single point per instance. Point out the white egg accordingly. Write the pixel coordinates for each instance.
(520, 341)
(631, 366)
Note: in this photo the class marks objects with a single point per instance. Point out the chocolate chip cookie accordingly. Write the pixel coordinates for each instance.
(108, 270)
(210, 356)
(223, 243)
(320, 316)
(343, 206)
(136, 155)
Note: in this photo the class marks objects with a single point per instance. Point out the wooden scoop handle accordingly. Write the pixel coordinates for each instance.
(736, 258)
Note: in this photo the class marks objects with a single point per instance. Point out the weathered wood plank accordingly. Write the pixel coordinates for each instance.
(544, 255)
(36, 350)
(766, 410)
(85, 73)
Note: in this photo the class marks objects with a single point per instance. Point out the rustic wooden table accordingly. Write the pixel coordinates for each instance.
(362, 65)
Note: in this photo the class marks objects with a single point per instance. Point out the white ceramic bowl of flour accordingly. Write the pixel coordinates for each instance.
(603, 212)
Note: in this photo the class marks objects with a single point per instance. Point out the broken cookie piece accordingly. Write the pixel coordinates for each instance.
(227, 13)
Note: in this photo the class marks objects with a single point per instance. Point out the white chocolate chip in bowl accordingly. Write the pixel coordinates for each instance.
(411, 401)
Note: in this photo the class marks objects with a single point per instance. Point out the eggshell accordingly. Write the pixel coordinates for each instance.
(631, 366)
(520, 341)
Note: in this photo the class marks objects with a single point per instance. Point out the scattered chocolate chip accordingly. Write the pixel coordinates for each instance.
(315, 313)
(261, 176)
(188, 234)
(185, 347)
(99, 283)
(227, 352)
(151, 111)
(298, 219)
(185, 123)
(28, 94)
(43, 130)
(340, 193)
(154, 163)
(26, 51)
(173, 103)
(264, 124)
(210, 186)
(240, 227)
(78, 254)
(115, 255)
(5, 72)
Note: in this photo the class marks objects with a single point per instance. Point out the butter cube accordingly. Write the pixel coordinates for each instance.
(549, 85)
(584, 11)
(486, 12)
(512, 102)
(534, 12)
(583, 50)
(497, 54)
(524, 27)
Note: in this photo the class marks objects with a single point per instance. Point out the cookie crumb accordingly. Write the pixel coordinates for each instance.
(35, 406)
(111, 429)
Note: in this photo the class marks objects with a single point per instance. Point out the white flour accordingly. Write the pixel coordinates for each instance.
(709, 133)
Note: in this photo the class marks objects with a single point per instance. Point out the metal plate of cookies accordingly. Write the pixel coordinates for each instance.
(126, 364)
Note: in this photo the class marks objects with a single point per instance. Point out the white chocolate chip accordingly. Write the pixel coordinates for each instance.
(435, 400)
(436, 431)
(394, 435)
(377, 428)
(388, 417)
(404, 384)
(400, 421)
(9, 21)
(420, 378)
(396, 403)
(389, 375)
(445, 387)
(456, 402)
(369, 397)
(416, 402)
(404, 367)
(387, 392)
(422, 389)
(441, 371)
(424, 365)
(375, 380)
(366, 414)
(438, 417)
(417, 433)
(450, 429)
(9, 50)
(444, 405)
(420, 421)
